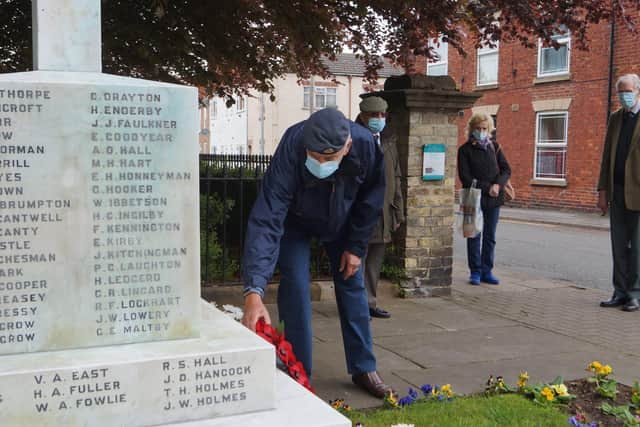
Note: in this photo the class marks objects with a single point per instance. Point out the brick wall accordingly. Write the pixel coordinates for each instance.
(518, 89)
(423, 110)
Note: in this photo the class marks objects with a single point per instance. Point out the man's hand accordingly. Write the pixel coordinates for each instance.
(349, 264)
(253, 310)
(494, 190)
(603, 205)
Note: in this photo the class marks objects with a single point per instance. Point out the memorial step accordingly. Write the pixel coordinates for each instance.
(295, 407)
(228, 370)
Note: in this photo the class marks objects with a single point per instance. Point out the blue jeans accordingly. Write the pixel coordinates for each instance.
(294, 303)
(481, 261)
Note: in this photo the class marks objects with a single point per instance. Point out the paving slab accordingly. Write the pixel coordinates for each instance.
(547, 327)
(477, 345)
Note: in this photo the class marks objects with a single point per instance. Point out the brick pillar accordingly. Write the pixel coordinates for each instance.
(424, 110)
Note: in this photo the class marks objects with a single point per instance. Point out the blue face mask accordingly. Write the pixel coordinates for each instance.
(321, 170)
(479, 136)
(627, 99)
(376, 124)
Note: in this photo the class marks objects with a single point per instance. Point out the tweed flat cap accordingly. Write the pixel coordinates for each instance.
(373, 104)
(325, 131)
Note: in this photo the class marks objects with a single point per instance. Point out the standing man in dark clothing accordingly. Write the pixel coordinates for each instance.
(326, 180)
(619, 189)
(372, 115)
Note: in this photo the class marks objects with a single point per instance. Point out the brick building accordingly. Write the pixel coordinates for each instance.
(550, 108)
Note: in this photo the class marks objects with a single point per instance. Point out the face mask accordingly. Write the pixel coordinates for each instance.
(479, 136)
(376, 124)
(627, 99)
(321, 170)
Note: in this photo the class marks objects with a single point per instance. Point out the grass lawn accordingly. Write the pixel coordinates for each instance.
(503, 410)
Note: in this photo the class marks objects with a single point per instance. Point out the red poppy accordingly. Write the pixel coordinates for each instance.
(284, 351)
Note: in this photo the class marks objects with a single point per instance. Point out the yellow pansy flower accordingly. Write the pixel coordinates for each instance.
(548, 393)
(594, 366)
(522, 379)
(605, 370)
(560, 389)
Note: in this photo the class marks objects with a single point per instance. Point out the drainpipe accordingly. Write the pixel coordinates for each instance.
(611, 46)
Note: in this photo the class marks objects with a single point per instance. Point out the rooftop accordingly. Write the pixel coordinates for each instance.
(346, 64)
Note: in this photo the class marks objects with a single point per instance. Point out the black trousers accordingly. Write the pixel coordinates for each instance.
(625, 247)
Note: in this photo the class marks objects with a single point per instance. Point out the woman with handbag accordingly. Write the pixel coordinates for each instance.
(483, 160)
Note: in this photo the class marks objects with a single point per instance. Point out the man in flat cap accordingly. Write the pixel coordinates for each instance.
(326, 180)
(372, 115)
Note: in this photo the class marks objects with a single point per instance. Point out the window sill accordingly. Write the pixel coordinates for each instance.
(551, 79)
(487, 87)
(549, 182)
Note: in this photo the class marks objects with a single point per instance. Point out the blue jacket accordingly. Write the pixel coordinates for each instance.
(345, 206)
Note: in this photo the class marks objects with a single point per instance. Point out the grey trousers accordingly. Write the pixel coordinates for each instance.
(372, 265)
(625, 247)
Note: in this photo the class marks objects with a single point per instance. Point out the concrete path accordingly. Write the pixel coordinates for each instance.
(527, 323)
(543, 327)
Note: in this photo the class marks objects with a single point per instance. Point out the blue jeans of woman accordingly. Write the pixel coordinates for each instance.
(294, 303)
(480, 259)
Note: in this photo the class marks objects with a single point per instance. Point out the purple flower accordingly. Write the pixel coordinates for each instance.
(406, 401)
(413, 393)
(426, 389)
(573, 421)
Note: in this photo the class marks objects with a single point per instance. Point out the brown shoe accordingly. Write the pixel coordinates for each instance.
(371, 382)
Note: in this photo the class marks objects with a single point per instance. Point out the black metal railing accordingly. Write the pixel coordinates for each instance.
(229, 185)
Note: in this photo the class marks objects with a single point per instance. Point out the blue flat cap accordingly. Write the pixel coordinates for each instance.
(325, 131)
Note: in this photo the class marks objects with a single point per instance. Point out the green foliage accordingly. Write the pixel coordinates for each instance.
(622, 413)
(608, 388)
(212, 256)
(230, 46)
(605, 386)
(635, 395)
(508, 410)
(390, 269)
(547, 394)
(497, 386)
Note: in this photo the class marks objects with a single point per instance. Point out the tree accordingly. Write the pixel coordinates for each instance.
(231, 46)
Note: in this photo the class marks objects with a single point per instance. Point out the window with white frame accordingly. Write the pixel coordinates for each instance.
(439, 67)
(552, 62)
(488, 65)
(551, 145)
(324, 97)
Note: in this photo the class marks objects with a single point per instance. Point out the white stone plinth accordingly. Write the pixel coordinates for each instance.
(99, 220)
(295, 407)
(66, 35)
(229, 370)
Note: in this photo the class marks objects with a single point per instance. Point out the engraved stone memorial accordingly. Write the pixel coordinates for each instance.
(99, 245)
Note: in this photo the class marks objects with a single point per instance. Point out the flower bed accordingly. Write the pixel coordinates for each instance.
(597, 401)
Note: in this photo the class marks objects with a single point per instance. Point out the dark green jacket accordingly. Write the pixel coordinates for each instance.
(393, 207)
(632, 165)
